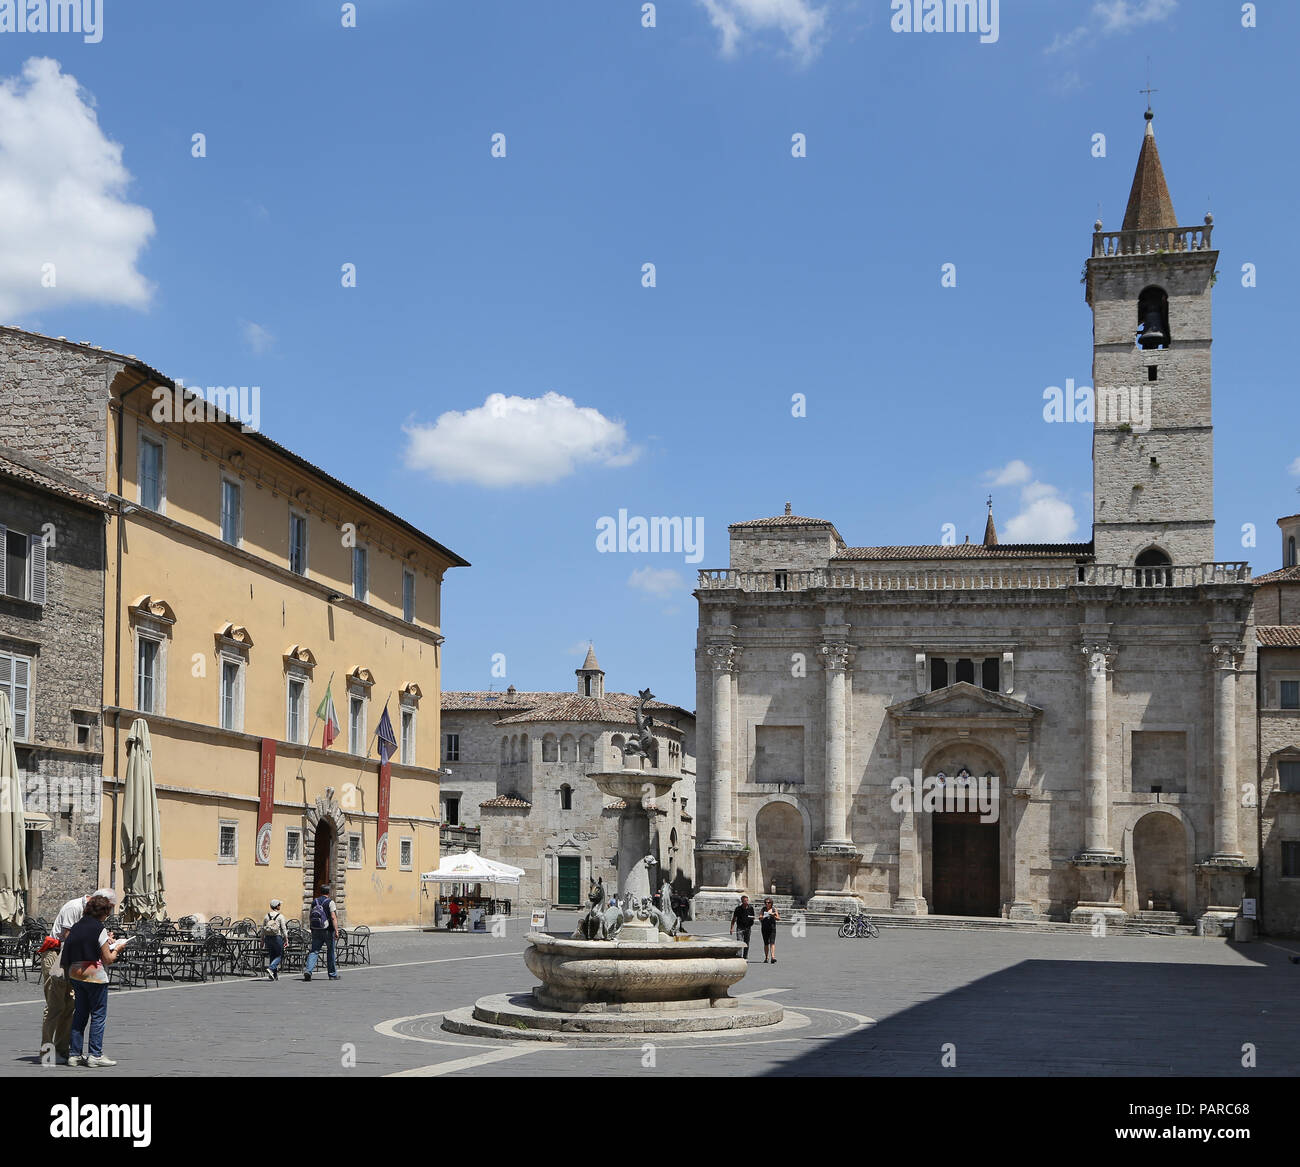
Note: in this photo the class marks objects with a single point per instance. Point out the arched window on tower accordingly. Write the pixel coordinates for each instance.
(1153, 569)
(568, 748)
(1290, 552)
(550, 748)
(566, 797)
(1153, 319)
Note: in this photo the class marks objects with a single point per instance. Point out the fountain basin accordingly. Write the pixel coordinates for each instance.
(598, 976)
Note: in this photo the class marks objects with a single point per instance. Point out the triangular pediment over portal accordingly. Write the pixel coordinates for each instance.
(963, 703)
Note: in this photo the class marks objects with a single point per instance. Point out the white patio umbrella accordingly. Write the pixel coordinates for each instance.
(470, 867)
(13, 828)
(142, 865)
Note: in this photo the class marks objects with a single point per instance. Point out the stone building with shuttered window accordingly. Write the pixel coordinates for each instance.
(51, 657)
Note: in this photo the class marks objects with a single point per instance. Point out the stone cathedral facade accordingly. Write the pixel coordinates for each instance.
(1099, 697)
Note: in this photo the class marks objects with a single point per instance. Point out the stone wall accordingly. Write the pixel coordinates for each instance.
(1279, 738)
(64, 637)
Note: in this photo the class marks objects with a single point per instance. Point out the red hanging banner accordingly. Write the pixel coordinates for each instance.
(385, 781)
(265, 801)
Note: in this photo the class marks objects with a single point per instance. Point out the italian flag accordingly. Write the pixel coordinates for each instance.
(325, 711)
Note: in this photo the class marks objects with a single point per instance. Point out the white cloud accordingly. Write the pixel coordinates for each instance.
(63, 189)
(1045, 517)
(257, 338)
(1294, 468)
(656, 581)
(802, 24)
(1115, 16)
(1012, 474)
(517, 441)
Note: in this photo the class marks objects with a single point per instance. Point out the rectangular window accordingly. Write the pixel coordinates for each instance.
(230, 718)
(781, 580)
(406, 853)
(354, 850)
(15, 682)
(360, 573)
(151, 474)
(230, 512)
(228, 842)
(408, 596)
(356, 724)
(1290, 695)
(452, 817)
(293, 847)
(408, 737)
(989, 671)
(147, 675)
(297, 699)
(1288, 776)
(297, 543)
(452, 752)
(1291, 860)
(16, 547)
(938, 673)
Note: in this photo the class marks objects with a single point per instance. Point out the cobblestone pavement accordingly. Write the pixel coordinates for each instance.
(1008, 1003)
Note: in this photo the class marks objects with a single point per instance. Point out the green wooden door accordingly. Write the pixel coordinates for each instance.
(570, 880)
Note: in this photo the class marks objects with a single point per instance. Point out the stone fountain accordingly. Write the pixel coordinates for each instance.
(630, 968)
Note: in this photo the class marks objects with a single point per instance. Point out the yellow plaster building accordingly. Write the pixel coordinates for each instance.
(242, 583)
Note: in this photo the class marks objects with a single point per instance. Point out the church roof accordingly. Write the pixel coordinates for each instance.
(1278, 635)
(787, 520)
(1149, 204)
(590, 665)
(1281, 575)
(613, 707)
(972, 551)
(493, 699)
(507, 800)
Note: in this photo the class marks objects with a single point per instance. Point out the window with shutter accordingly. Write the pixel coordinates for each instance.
(4, 542)
(17, 570)
(15, 683)
(37, 557)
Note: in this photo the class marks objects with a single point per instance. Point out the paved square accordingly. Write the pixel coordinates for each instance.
(1010, 1003)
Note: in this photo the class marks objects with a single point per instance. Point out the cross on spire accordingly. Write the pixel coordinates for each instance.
(1148, 90)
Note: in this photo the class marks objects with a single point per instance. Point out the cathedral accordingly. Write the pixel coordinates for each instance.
(1027, 731)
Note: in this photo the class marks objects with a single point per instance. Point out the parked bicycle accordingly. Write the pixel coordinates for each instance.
(858, 925)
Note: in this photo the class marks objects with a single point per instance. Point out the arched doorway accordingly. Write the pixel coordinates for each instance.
(322, 865)
(1160, 863)
(782, 851)
(965, 851)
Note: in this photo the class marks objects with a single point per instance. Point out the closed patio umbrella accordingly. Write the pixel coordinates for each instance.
(142, 867)
(13, 830)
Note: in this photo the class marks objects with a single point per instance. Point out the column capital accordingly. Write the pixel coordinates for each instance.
(1227, 654)
(725, 656)
(835, 654)
(1098, 657)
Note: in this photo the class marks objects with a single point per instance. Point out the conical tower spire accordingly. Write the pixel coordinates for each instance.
(1149, 204)
(591, 677)
(990, 531)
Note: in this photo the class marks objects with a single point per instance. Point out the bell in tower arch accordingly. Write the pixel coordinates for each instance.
(1153, 319)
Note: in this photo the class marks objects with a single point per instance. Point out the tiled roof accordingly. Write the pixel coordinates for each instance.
(494, 699)
(1278, 635)
(1149, 204)
(782, 521)
(1281, 575)
(972, 551)
(30, 472)
(506, 801)
(613, 707)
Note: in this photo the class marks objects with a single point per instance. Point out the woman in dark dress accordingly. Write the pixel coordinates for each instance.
(86, 952)
(767, 919)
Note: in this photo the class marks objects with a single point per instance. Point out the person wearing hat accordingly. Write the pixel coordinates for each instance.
(275, 931)
(60, 1000)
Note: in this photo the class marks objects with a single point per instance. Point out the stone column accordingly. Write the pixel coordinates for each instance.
(910, 901)
(835, 659)
(720, 854)
(1227, 659)
(1096, 792)
(1021, 853)
(725, 660)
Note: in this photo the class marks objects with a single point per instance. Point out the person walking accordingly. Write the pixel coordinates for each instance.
(275, 932)
(86, 953)
(60, 1001)
(742, 921)
(324, 932)
(767, 920)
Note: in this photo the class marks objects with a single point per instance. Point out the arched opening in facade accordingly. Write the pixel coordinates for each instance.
(782, 850)
(1153, 319)
(965, 851)
(323, 857)
(1160, 863)
(566, 797)
(1153, 569)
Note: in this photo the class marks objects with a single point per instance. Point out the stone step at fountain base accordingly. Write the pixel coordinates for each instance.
(1136, 925)
(518, 1017)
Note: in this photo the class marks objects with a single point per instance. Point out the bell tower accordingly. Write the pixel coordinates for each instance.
(1149, 287)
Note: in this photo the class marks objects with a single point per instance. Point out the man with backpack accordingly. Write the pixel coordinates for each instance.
(324, 931)
(275, 931)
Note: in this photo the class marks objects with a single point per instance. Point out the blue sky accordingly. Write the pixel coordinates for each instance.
(626, 145)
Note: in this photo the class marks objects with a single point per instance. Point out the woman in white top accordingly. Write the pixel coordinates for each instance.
(275, 931)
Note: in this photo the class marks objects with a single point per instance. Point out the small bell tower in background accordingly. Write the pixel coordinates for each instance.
(1149, 287)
